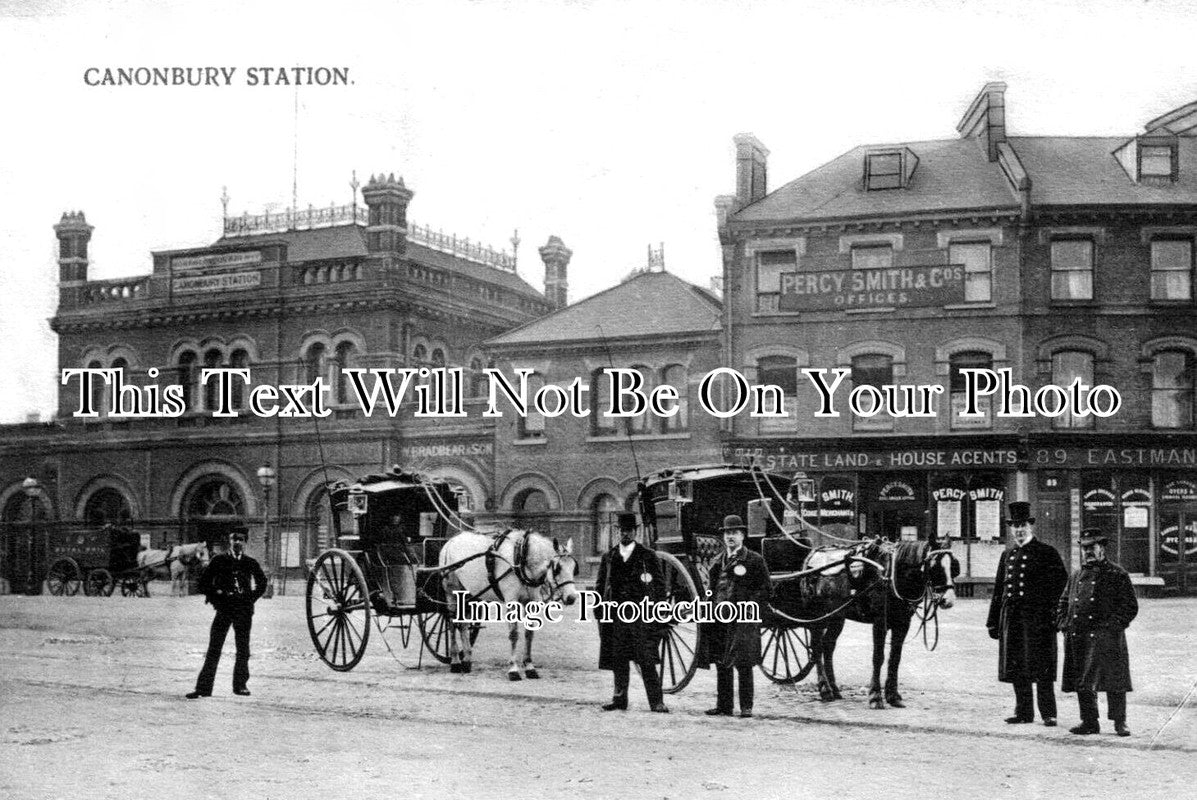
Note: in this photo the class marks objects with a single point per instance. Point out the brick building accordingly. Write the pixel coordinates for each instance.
(1053, 257)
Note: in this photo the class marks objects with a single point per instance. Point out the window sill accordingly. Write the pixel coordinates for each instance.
(1160, 303)
(638, 437)
(969, 306)
(530, 442)
(881, 310)
(1074, 304)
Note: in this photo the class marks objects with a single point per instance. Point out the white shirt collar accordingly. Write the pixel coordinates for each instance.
(625, 550)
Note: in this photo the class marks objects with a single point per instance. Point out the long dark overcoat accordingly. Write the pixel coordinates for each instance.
(620, 581)
(1022, 613)
(1094, 613)
(737, 644)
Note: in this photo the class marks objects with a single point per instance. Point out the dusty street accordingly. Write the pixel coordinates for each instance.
(91, 698)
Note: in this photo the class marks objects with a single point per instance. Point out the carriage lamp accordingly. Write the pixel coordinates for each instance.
(30, 486)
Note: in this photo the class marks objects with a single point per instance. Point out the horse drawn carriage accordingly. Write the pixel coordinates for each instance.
(403, 549)
(819, 579)
(100, 560)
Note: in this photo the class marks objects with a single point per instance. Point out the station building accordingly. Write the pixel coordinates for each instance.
(1055, 258)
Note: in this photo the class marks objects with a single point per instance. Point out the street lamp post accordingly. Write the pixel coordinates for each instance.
(267, 478)
(31, 487)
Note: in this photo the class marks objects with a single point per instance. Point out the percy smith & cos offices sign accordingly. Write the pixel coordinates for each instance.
(885, 287)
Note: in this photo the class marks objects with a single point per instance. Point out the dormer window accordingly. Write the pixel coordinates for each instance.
(1150, 158)
(889, 168)
(1157, 161)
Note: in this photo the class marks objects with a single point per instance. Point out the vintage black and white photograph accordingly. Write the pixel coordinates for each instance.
(726, 398)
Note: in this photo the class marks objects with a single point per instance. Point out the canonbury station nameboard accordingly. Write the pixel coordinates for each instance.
(891, 287)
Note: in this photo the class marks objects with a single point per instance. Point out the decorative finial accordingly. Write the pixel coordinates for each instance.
(224, 200)
(515, 247)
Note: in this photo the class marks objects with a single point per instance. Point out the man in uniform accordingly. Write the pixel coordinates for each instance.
(232, 583)
(737, 575)
(1094, 612)
(1029, 580)
(630, 572)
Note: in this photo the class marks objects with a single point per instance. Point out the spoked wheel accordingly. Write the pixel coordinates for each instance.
(135, 587)
(786, 653)
(434, 631)
(679, 647)
(64, 577)
(98, 583)
(338, 608)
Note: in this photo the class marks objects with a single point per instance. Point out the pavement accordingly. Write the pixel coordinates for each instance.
(91, 705)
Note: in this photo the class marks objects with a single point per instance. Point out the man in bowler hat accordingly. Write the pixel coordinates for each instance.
(1094, 613)
(1029, 580)
(738, 574)
(232, 583)
(631, 572)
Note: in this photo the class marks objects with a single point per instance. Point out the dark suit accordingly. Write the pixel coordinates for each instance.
(1022, 619)
(735, 644)
(232, 585)
(623, 642)
(1094, 612)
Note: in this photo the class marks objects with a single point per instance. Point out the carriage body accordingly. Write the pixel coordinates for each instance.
(389, 528)
(92, 560)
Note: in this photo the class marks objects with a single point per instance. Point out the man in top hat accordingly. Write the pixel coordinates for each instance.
(630, 572)
(232, 583)
(1094, 612)
(738, 574)
(1029, 580)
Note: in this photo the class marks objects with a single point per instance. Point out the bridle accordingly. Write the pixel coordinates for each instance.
(555, 589)
(926, 607)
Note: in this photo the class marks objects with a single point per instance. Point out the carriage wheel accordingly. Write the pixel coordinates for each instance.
(679, 647)
(338, 609)
(786, 653)
(434, 630)
(64, 577)
(99, 582)
(129, 587)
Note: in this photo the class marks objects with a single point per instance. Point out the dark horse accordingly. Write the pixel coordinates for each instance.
(879, 584)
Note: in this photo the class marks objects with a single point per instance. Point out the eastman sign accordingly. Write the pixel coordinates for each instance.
(892, 287)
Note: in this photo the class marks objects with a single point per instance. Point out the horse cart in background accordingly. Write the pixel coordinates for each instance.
(389, 531)
(96, 561)
(819, 579)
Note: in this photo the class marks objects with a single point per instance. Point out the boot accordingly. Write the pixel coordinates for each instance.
(1085, 728)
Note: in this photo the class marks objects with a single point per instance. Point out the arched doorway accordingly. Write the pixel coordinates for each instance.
(107, 506)
(211, 508)
(23, 521)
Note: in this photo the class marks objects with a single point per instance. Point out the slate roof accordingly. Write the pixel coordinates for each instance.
(342, 241)
(1081, 170)
(952, 174)
(647, 304)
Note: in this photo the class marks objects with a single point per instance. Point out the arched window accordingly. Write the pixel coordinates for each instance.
(532, 426)
(315, 362)
(675, 375)
(643, 423)
(970, 359)
(419, 355)
(876, 370)
(345, 354)
(212, 359)
(185, 374)
(438, 357)
(478, 381)
(97, 389)
(239, 360)
(107, 506)
(600, 424)
(1067, 367)
(1172, 389)
(216, 497)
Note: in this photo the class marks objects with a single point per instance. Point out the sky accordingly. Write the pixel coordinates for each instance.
(608, 124)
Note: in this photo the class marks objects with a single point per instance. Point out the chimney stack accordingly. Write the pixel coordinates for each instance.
(73, 234)
(555, 256)
(386, 199)
(986, 118)
(751, 172)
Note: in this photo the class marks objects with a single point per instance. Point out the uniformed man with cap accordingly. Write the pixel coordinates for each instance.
(1094, 612)
(232, 583)
(631, 572)
(1029, 580)
(737, 575)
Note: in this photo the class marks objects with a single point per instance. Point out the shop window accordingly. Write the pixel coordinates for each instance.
(532, 425)
(1068, 366)
(770, 266)
(977, 259)
(1072, 269)
(872, 256)
(780, 371)
(1172, 269)
(1172, 389)
(876, 370)
(675, 376)
(973, 359)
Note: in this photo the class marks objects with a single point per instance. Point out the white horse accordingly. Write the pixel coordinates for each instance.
(513, 567)
(174, 563)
